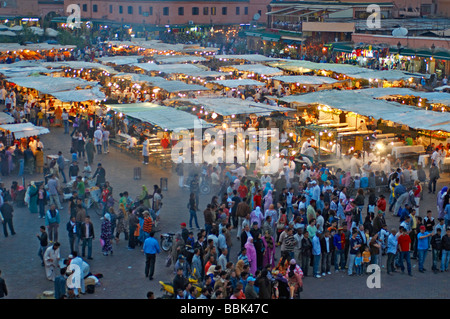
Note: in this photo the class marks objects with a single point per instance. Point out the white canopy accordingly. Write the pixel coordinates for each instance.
(51, 32)
(121, 60)
(441, 88)
(246, 57)
(49, 85)
(187, 69)
(24, 129)
(162, 83)
(5, 118)
(167, 118)
(16, 28)
(167, 59)
(234, 106)
(80, 65)
(305, 79)
(238, 83)
(10, 72)
(257, 68)
(432, 97)
(80, 95)
(352, 71)
(354, 101)
(175, 86)
(37, 30)
(8, 33)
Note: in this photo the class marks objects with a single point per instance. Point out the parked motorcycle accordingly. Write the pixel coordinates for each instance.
(167, 241)
(167, 287)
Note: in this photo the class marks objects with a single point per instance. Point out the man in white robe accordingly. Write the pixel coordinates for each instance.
(51, 261)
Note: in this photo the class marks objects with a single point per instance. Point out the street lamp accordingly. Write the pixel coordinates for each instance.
(432, 48)
(399, 47)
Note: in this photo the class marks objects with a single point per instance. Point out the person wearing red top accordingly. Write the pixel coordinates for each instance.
(257, 199)
(404, 243)
(417, 193)
(381, 204)
(242, 190)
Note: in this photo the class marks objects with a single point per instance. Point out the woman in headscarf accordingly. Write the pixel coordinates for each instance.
(257, 216)
(347, 179)
(268, 200)
(283, 263)
(267, 188)
(33, 195)
(239, 267)
(106, 234)
(440, 201)
(252, 190)
(144, 196)
(251, 255)
(122, 222)
(269, 250)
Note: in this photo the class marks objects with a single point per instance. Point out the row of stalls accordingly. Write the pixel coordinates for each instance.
(146, 80)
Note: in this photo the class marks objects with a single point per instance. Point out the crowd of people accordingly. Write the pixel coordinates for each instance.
(312, 222)
(303, 221)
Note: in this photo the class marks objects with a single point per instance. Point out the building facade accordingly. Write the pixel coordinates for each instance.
(172, 12)
(30, 8)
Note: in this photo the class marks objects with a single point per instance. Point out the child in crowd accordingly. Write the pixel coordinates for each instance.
(358, 264)
(366, 258)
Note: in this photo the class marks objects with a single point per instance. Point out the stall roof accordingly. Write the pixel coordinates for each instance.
(49, 85)
(238, 83)
(258, 69)
(246, 57)
(120, 60)
(354, 101)
(171, 59)
(175, 86)
(167, 118)
(11, 72)
(182, 68)
(305, 79)
(432, 97)
(234, 106)
(349, 70)
(24, 129)
(80, 65)
(80, 95)
(5, 118)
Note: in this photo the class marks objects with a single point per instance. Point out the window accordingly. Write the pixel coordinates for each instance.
(181, 11)
(224, 11)
(213, 11)
(140, 10)
(238, 11)
(94, 8)
(130, 10)
(246, 11)
(84, 7)
(165, 11)
(110, 8)
(205, 11)
(120, 9)
(195, 11)
(150, 11)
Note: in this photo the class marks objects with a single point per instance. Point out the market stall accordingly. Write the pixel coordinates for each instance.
(156, 122)
(24, 130)
(359, 112)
